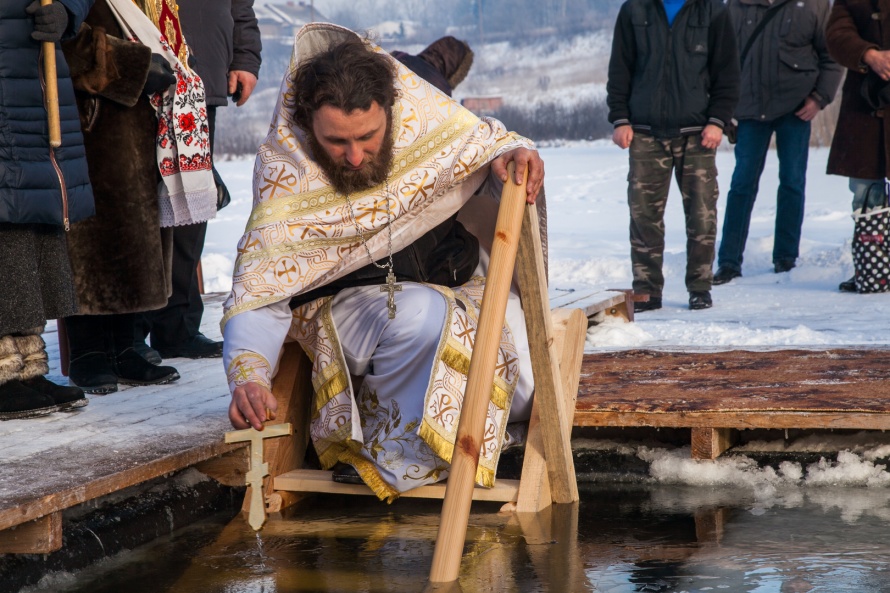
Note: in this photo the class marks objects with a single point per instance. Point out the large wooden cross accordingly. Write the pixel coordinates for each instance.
(258, 468)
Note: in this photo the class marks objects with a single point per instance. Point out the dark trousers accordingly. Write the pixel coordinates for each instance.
(180, 319)
(792, 148)
(651, 163)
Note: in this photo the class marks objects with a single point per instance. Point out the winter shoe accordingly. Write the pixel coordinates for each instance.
(700, 300)
(93, 373)
(784, 265)
(848, 285)
(132, 369)
(150, 355)
(198, 346)
(18, 401)
(35, 362)
(651, 305)
(724, 275)
(10, 360)
(66, 398)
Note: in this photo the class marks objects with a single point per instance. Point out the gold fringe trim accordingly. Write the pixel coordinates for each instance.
(334, 386)
(460, 362)
(444, 449)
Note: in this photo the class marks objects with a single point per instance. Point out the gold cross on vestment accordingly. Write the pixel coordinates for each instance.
(392, 288)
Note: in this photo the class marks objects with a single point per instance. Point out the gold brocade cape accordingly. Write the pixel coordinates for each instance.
(300, 234)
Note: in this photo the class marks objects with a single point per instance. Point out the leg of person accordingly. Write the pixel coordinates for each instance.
(129, 366)
(750, 156)
(396, 357)
(17, 400)
(89, 348)
(142, 327)
(697, 178)
(175, 329)
(37, 285)
(649, 181)
(867, 193)
(793, 149)
(35, 366)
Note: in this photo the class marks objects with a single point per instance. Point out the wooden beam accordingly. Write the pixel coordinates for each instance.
(548, 383)
(710, 443)
(40, 536)
(82, 492)
(738, 420)
(710, 523)
(228, 469)
(569, 333)
(316, 480)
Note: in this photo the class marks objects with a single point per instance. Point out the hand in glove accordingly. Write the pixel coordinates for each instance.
(160, 75)
(50, 22)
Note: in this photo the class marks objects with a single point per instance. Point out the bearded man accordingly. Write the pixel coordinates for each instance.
(374, 202)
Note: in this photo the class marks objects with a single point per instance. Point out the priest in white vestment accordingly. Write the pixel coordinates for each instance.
(375, 196)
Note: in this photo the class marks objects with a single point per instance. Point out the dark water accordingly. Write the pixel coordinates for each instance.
(620, 538)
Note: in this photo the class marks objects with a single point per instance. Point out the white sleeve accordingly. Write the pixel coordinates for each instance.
(252, 343)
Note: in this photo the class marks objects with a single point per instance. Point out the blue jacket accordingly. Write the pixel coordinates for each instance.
(32, 176)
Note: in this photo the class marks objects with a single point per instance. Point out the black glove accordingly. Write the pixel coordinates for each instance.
(160, 75)
(50, 22)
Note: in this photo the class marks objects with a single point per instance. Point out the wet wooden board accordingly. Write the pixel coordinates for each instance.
(591, 302)
(738, 389)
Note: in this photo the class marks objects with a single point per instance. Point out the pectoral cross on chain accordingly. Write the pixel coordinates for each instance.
(392, 288)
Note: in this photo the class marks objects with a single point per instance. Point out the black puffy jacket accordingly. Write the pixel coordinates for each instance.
(672, 81)
(38, 185)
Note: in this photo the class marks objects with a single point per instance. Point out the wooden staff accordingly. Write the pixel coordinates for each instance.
(51, 85)
(461, 479)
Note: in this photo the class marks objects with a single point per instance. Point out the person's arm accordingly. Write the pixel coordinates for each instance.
(723, 70)
(247, 48)
(830, 72)
(103, 65)
(252, 343)
(843, 40)
(77, 13)
(621, 67)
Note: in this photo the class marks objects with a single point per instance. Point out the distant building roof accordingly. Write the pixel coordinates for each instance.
(273, 18)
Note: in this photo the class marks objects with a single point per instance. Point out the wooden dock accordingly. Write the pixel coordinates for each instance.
(141, 433)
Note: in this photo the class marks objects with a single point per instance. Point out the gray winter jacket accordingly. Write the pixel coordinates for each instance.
(223, 36)
(788, 61)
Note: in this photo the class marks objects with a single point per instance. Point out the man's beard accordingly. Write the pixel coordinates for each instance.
(374, 170)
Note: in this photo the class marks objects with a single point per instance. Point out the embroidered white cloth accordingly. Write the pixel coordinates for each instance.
(187, 193)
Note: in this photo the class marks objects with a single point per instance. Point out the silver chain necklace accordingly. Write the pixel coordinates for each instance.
(390, 287)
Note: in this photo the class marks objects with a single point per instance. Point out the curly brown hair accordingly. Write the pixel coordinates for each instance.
(347, 76)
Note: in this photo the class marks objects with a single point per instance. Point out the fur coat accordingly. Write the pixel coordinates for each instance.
(120, 258)
(860, 144)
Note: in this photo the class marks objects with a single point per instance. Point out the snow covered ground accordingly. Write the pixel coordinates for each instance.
(586, 192)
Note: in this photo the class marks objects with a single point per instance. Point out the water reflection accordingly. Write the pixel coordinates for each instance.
(627, 538)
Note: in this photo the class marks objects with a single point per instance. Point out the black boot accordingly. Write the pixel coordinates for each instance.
(132, 369)
(93, 373)
(346, 474)
(18, 401)
(65, 397)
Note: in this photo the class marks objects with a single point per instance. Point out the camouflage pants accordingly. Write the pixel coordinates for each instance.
(651, 163)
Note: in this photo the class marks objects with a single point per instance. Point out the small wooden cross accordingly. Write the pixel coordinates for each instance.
(258, 469)
(392, 288)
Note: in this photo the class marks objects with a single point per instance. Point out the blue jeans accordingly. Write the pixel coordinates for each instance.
(792, 147)
(867, 192)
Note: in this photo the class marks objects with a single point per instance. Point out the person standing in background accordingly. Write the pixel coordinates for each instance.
(673, 85)
(787, 78)
(42, 191)
(858, 35)
(224, 39)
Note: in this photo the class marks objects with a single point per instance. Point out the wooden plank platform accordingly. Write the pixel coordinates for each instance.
(118, 440)
(737, 389)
